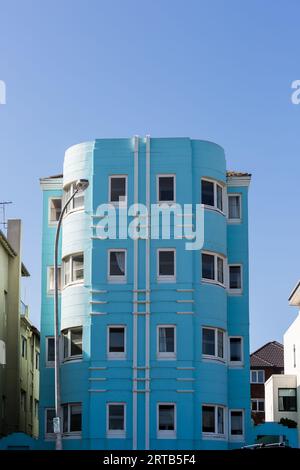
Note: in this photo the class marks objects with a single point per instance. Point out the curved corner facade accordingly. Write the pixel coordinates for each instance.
(155, 337)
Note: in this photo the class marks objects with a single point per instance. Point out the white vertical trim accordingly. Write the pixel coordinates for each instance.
(135, 299)
(147, 319)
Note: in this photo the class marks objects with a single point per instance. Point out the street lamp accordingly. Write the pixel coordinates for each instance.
(81, 185)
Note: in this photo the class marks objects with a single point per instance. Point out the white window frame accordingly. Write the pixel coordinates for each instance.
(118, 203)
(116, 355)
(215, 435)
(116, 433)
(68, 332)
(71, 207)
(166, 175)
(232, 291)
(239, 220)
(214, 207)
(236, 363)
(166, 355)
(68, 432)
(162, 278)
(257, 401)
(215, 357)
(257, 370)
(48, 435)
(237, 437)
(53, 222)
(166, 434)
(49, 363)
(215, 280)
(24, 346)
(71, 273)
(50, 271)
(112, 278)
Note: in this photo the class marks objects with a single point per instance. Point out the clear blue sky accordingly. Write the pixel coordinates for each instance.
(208, 69)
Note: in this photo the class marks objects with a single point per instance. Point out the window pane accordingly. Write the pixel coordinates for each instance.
(220, 270)
(51, 278)
(220, 420)
(55, 209)
(208, 266)
(67, 266)
(166, 263)
(166, 339)
(235, 349)
(219, 197)
(253, 405)
(77, 267)
(117, 189)
(50, 350)
(207, 193)
(75, 418)
(76, 341)
(261, 405)
(234, 209)
(220, 344)
(166, 418)
(116, 418)
(50, 414)
(208, 341)
(117, 339)
(260, 376)
(66, 344)
(235, 277)
(208, 419)
(166, 188)
(117, 263)
(236, 423)
(287, 399)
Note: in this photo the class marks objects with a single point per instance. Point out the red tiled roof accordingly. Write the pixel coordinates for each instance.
(269, 355)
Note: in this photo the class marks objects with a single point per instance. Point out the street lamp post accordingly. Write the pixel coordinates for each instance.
(81, 185)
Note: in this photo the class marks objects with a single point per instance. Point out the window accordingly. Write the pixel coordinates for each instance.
(36, 408)
(49, 416)
(117, 265)
(54, 209)
(116, 420)
(166, 420)
(257, 376)
(257, 405)
(287, 399)
(166, 188)
(72, 418)
(24, 347)
(118, 189)
(116, 342)
(50, 351)
(212, 268)
(23, 400)
(72, 339)
(234, 207)
(212, 194)
(73, 268)
(166, 341)
(235, 278)
(213, 420)
(37, 360)
(166, 264)
(236, 424)
(213, 343)
(236, 350)
(77, 202)
(51, 279)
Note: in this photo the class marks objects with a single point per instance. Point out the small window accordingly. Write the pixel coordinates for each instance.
(235, 350)
(77, 202)
(236, 423)
(287, 399)
(257, 376)
(234, 207)
(72, 339)
(235, 278)
(50, 351)
(166, 265)
(213, 343)
(23, 401)
(24, 347)
(55, 209)
(72, 417)
(166, 420)
(166, 188)
(117, 265)
(73, 269)
(118, 189)
(36, 408)
(258, 405)
(49, 416)
(116, 420)
(116, 342)
(212, 268)
(212, 194)
(213, 420)
(166, 342)
(51, 279)
(37, 360)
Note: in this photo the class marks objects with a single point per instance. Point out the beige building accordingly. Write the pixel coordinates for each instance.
(19, 342)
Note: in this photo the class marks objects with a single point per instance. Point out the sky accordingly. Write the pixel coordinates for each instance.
(217, 70)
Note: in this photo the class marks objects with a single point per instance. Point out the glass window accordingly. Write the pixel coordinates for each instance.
(166, 417)
(37, 361)
(234, 207)
(73, 268)
(235, 277)
(50, 415)
(55, 209)
(117, 261)
(258, 405)
(220, 264)
(118, 188)
(287, 399)
(51, 278)
(166, 340)
(72, 417)
(219, 197)
(213, 342)
(78, 200)
(77, 267)
(213, 419)
(208, 266)
(50, 349)
(166, 263)
(72, 342)
(166, 189)
(207, 193)
(116, 417)
(235, 349)
(236, 423)
(24, 347)
(116, 339)
(220, 352)
(257, 376)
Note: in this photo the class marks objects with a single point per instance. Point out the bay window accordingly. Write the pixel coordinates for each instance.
(213, 417)
(73, 268)
(212, 268)
(72, 343)
(212, 194)
(77, 202)
(213, 343)
(72, 418)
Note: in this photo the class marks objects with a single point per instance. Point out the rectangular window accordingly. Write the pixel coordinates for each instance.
(50, 351)
(213, 343)
(55, 209)
(257, 376)
(117, 341)
(24, 347)
(235, 350)
(72, 339)
(166, 188)
(220, 264)
(220, 197)
(166, 338)
(72, 417)
(23, 401)
(118, 189)
(235, 278)
(117, 265)
(51, 279)
(166, 420)
(73, 268)
(49, 415)
(287, 399)
(166, 269)
(212, 268)
(257, 405)
(213, 420)
(77, 202)
(37, 360)
(77, 266)
(212, 194)
(234, 207)
(36, 408)
(116, 420)
(236, 424)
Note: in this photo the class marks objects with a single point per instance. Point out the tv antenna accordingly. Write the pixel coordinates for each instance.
(3, 206)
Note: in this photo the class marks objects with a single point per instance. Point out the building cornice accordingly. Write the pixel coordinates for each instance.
(49, 183)
(235, 181)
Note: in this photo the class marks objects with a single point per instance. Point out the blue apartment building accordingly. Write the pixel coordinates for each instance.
(154, 337)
